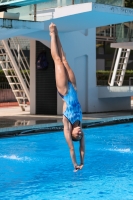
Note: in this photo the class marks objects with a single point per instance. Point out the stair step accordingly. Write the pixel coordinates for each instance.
(21, 98)
(7, 69)
(121, 69)
(11, 76)
(119, 75)
(122, 63)
(15, 83)
(23, 105)
(124, 57)
(2, 54)
(18, 90)
(117, 81)
(4, 61)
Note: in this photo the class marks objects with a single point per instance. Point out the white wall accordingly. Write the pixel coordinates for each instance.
(80, 50)
(113, 104)
(80, 69)
(113, 92)
(81, 46)
(75, 45)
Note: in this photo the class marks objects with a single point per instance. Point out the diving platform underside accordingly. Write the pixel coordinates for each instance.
(123, 45)
(68, 19)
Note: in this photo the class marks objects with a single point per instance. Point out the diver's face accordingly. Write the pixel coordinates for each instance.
(77, 133)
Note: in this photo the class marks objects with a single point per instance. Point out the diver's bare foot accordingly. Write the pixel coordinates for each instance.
(55, 28)
(52, 29)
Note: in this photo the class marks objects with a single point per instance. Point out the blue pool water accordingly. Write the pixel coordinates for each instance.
(38, 167)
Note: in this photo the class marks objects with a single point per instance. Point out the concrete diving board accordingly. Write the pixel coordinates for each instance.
(68, 19)
(123, 45)
(87, 15)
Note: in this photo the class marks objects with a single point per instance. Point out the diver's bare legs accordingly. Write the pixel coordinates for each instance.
(60, 72)
(71, 76)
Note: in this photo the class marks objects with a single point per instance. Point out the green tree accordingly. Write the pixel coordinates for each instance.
(129, 3)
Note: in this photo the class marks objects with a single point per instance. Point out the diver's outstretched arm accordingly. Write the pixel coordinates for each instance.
(68, 137)
(82, 151)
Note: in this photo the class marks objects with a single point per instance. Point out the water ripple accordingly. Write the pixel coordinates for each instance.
(15, 157)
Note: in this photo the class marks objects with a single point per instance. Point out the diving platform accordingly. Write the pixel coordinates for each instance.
(124, 45)
(68, 19)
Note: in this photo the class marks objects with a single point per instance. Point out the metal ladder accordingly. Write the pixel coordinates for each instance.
(16, 69)
(119, 66)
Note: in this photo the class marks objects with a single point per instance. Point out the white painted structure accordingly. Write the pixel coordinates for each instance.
(77, 30)
(118, 71)
(114, 92)
(13, 70)
(120, 62)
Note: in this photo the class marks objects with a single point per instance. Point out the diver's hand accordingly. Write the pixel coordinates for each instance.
(77, 167)
(81, 166)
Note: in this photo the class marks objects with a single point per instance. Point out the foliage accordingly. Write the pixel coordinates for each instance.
(129, 3)
(104, 75)
(4, 79)
(111, 2)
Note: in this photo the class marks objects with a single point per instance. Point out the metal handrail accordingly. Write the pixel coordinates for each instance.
(14, 71)
(22, 65)
(11, 71)
(112, 66)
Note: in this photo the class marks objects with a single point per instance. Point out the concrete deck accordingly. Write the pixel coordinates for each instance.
(14, 112)
(14, 122)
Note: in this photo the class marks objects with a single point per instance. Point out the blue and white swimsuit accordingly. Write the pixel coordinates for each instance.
(73, 110)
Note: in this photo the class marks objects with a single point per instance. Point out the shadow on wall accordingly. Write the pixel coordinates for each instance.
(46, 93)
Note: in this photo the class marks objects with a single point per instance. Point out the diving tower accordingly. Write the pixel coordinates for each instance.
(77, 30)
(68, 19)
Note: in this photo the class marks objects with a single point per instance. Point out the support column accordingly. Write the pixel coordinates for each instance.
(32, 77)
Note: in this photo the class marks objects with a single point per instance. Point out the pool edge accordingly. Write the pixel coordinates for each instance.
(52, 127)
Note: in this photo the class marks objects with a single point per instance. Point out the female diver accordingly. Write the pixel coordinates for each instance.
(66, 86)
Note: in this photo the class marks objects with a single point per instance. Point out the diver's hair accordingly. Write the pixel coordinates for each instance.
(76, 140)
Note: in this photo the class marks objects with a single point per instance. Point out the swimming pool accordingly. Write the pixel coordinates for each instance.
(38, 167)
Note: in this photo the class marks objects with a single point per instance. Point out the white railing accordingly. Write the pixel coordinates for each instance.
(20, 59)
(16, 69)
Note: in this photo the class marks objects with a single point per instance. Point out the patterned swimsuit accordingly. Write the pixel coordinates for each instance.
(73, 110)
